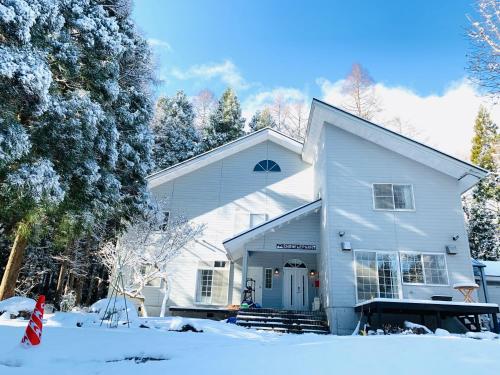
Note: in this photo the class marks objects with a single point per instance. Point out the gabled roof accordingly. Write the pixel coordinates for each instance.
(321, 113)
(228, 149)
(234, 245)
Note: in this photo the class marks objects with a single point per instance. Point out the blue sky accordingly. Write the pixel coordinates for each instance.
(419, 44)
(414, 50)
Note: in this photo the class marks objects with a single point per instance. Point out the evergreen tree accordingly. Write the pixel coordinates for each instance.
(75, 145)
(262, 119)
(226, 123)
(482, 207)
(176, 138)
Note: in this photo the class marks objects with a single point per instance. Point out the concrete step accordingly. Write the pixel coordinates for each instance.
(283, 320)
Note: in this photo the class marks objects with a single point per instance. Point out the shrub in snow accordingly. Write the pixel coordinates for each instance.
(15, 307)
(482, 335)
(117, 309)
(418, 329)
(68, 301)
(441, 332)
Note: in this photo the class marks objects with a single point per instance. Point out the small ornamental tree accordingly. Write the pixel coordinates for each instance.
(176, 137)
(482, 206)
(226, 123)
(143, 254)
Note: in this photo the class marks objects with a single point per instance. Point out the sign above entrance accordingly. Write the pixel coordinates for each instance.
(295, 246)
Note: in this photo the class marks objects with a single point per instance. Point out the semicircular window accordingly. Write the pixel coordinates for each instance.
(266, 166)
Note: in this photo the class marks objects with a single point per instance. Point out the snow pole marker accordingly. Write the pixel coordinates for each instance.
(33, 333)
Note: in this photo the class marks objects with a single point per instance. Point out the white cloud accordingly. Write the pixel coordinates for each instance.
(264, 99)
(226, 71)
(445, 121)
(160, 44)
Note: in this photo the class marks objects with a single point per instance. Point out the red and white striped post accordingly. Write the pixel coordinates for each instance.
(33, 334)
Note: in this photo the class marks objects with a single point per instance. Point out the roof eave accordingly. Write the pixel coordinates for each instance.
(467, 174)
(221, 152)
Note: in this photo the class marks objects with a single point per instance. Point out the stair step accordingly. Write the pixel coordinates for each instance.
(297, 327)
(278, 320)
(280, 317)
(283, 320)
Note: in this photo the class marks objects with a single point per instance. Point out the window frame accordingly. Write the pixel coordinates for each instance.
(265, 278)
(198, 286)
(398, 270)
(422, 253)
(393, 201)
(252, 214)
(267, 170)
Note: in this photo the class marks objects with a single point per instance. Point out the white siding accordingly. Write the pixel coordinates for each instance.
(222, 196)
(352, 165)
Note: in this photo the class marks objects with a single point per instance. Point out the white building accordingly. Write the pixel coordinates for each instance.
(357, 216)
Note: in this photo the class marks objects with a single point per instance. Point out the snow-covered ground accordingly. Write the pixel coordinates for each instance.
(228, 349)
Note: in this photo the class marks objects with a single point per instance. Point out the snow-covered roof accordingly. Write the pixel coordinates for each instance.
(492, 267)
(228, 149)
(234, 245)
(467, 174)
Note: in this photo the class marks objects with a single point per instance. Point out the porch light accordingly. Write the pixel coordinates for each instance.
(276, 271)
(312, 273)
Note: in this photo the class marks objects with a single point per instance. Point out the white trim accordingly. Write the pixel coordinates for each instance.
(198, 284)
(423, 267)
(427, 301)
(393, 202)
(234, 245)
(221, 152)
(398, 270)
(285, 251)
(321, 113)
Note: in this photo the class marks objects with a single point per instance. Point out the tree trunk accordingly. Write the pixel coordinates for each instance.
(166, 296)
(60, 281)
(11, 273)
(144, 312)
(78, 286)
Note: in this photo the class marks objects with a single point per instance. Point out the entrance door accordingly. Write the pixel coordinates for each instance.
(295, 286)
(256, 273)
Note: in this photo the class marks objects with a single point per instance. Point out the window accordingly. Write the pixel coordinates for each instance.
(393, 197)
(376, 275)
(268, 278)
(424, 268)
(257, 219)
(213, 283)
(266, 166)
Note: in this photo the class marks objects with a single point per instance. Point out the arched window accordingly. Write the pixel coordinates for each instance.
(266, 166)
(295, 263)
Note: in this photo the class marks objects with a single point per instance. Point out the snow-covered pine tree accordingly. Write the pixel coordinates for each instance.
(74, 113)
(226, 123)
(176, 137)
(482, 207)
(262, 119)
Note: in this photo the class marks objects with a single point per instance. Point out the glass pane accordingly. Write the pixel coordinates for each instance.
(205, 286)
(387, 265)
(382, 190)
(411, 268)
(435, 269)
(268, 278)
(384, 203)
(366, 275)
(403, 197)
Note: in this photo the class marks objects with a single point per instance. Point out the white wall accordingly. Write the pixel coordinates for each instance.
(221, 196)
(352, 165)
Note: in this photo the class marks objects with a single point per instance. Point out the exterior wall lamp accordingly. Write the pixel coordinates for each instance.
(312, 273)
(276, 272)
